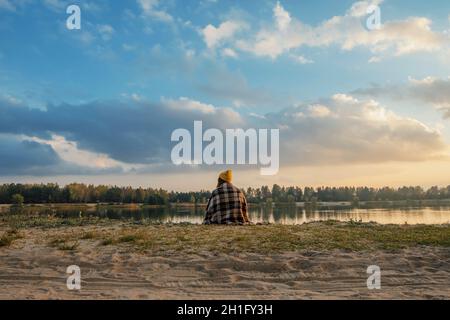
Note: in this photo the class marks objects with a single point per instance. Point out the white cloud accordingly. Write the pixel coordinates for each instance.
(343, 129)
(282, 17)
(214, 36)
(359, 9)
(69, 152)
(216, 117)
(150, 8)
(319, 111)
(393, 38)
(188, 104)
(400, 37)
(228, 52)
(301, 59)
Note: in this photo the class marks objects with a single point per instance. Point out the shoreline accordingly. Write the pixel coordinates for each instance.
(361, 204)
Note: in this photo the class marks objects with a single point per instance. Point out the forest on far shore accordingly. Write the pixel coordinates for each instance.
(82, 193)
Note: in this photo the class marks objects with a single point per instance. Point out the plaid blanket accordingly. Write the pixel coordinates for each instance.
(227, 205)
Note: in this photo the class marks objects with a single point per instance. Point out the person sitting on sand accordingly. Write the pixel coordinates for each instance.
(227, 204)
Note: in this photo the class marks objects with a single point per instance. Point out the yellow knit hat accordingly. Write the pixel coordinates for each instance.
(226, 176)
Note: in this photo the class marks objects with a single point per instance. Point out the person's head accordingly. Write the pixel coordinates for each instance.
(226, 176)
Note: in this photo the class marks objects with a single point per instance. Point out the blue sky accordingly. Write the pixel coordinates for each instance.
(167, 60)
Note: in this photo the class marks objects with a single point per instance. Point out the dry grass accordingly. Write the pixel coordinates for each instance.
(263, 238)
(9, 237)
(67, 233)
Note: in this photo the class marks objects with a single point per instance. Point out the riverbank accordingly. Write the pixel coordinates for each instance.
(318, 204)
(163, 261)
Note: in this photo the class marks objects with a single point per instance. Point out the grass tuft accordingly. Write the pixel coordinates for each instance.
(9, 237)
(64, 244)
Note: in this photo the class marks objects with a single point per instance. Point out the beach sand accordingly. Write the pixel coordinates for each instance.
(30, 268)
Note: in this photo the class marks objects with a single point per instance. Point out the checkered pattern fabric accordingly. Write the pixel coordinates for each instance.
(227, 205)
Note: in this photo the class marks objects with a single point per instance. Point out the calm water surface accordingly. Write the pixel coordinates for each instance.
(282, 215)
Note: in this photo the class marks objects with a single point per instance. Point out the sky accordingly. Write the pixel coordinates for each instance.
(355, 105)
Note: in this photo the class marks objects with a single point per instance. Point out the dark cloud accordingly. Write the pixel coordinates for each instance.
(337, 130)
(25, 157)
(16, 155)
(433, 91)
(130, 132)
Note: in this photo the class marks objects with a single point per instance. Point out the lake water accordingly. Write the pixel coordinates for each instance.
(282, 215)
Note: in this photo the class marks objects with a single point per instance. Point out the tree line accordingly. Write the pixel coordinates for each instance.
(82, 193)
(340, 194)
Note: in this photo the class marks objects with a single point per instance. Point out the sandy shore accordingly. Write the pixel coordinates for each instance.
(31, 269)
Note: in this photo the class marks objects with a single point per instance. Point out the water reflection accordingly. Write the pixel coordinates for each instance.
(296, 215)
(261, 214)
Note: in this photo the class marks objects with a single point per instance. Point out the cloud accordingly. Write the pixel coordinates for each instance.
(16, 154)
(300, 59)
(68, 151)
(230, 53)
(22, 156)
(282, 17)
(286, 33)
(150, 9)
(119, 136)
(214, 36)
(210, 113)
(343, 130)
(429, 90)
(399, 37)
(130, 132)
